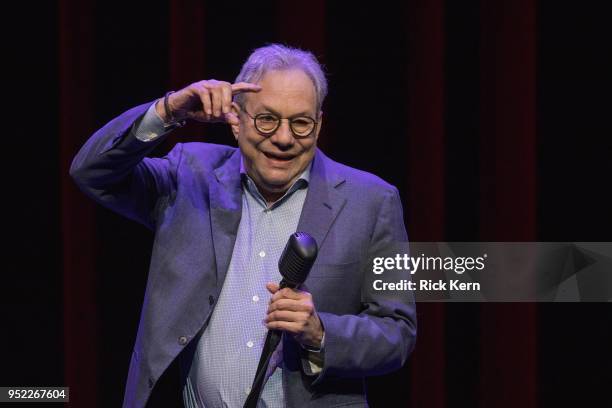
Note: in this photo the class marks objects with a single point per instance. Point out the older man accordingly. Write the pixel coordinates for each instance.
(221, 218)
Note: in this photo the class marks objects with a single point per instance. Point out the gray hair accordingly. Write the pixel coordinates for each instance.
(280, 57)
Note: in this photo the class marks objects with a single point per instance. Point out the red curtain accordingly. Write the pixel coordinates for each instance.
(507, 151)
(76, 79)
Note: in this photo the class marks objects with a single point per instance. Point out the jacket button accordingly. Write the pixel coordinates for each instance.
(211, 300)
(182, 340)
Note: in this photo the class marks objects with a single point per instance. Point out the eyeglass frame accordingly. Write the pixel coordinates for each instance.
(268, 134)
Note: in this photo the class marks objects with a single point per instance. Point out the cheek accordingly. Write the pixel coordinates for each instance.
(308, 151)
(248, 144)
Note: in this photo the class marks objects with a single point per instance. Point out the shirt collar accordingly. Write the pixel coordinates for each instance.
(301, 182)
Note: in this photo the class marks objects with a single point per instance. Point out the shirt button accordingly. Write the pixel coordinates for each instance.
(247, 391)
(262, 254)
(249, 344)
(255, 298)
(182, 340)
(211, 300)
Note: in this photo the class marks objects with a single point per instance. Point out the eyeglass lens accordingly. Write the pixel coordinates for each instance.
(301, 126)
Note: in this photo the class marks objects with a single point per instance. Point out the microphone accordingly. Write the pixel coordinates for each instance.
(294, 265)
(296, 260)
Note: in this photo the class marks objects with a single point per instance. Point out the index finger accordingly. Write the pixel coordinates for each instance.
(288, 304)
(245, 87)
(285, 293)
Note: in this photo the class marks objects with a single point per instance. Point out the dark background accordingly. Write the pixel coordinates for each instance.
(491, 117)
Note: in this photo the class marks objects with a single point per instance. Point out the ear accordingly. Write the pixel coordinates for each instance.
(235, 124)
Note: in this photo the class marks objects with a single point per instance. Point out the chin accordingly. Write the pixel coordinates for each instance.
(277, 180)
(275, 185)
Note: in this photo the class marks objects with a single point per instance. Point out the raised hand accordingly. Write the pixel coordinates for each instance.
(205, 101)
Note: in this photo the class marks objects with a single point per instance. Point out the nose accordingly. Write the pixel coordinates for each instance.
(283, 137)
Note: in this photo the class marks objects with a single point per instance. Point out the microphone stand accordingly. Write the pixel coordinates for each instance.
(272, 340)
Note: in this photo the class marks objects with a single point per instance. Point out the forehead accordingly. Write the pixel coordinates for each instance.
(286, 91)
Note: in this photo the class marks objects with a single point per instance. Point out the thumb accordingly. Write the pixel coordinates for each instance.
(272, 287)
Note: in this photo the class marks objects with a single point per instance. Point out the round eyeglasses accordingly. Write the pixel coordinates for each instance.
(268, 123)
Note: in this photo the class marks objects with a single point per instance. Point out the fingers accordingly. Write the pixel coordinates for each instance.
(215, 100)
(291, 327)
(286, 316)
(289, 309)
(293, 311)
(245, 87)
(289, 294)
(226, 101)
(290, 305)
(206, 101)
(209, 100)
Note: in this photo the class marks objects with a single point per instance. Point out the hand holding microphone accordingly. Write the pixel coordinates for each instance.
(289, 310)
(293, 311)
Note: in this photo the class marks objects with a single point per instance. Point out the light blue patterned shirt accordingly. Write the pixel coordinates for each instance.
(227, 353)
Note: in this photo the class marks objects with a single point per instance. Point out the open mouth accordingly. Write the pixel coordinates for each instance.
(278, 157)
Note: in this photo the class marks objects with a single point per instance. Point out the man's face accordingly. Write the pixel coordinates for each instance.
(274, 162)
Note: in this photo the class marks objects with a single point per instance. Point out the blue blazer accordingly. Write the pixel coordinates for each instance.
(191, 199)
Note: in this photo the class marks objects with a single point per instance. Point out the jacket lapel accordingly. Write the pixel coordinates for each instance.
(323, 200)
(225, 212)
(322, 205)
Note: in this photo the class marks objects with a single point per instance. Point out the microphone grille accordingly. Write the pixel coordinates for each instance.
(297, 258)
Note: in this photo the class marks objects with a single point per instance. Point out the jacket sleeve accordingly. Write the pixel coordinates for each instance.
(379, 339)
(112, 168)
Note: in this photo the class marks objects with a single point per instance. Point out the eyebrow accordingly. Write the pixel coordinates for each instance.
(296, 115)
